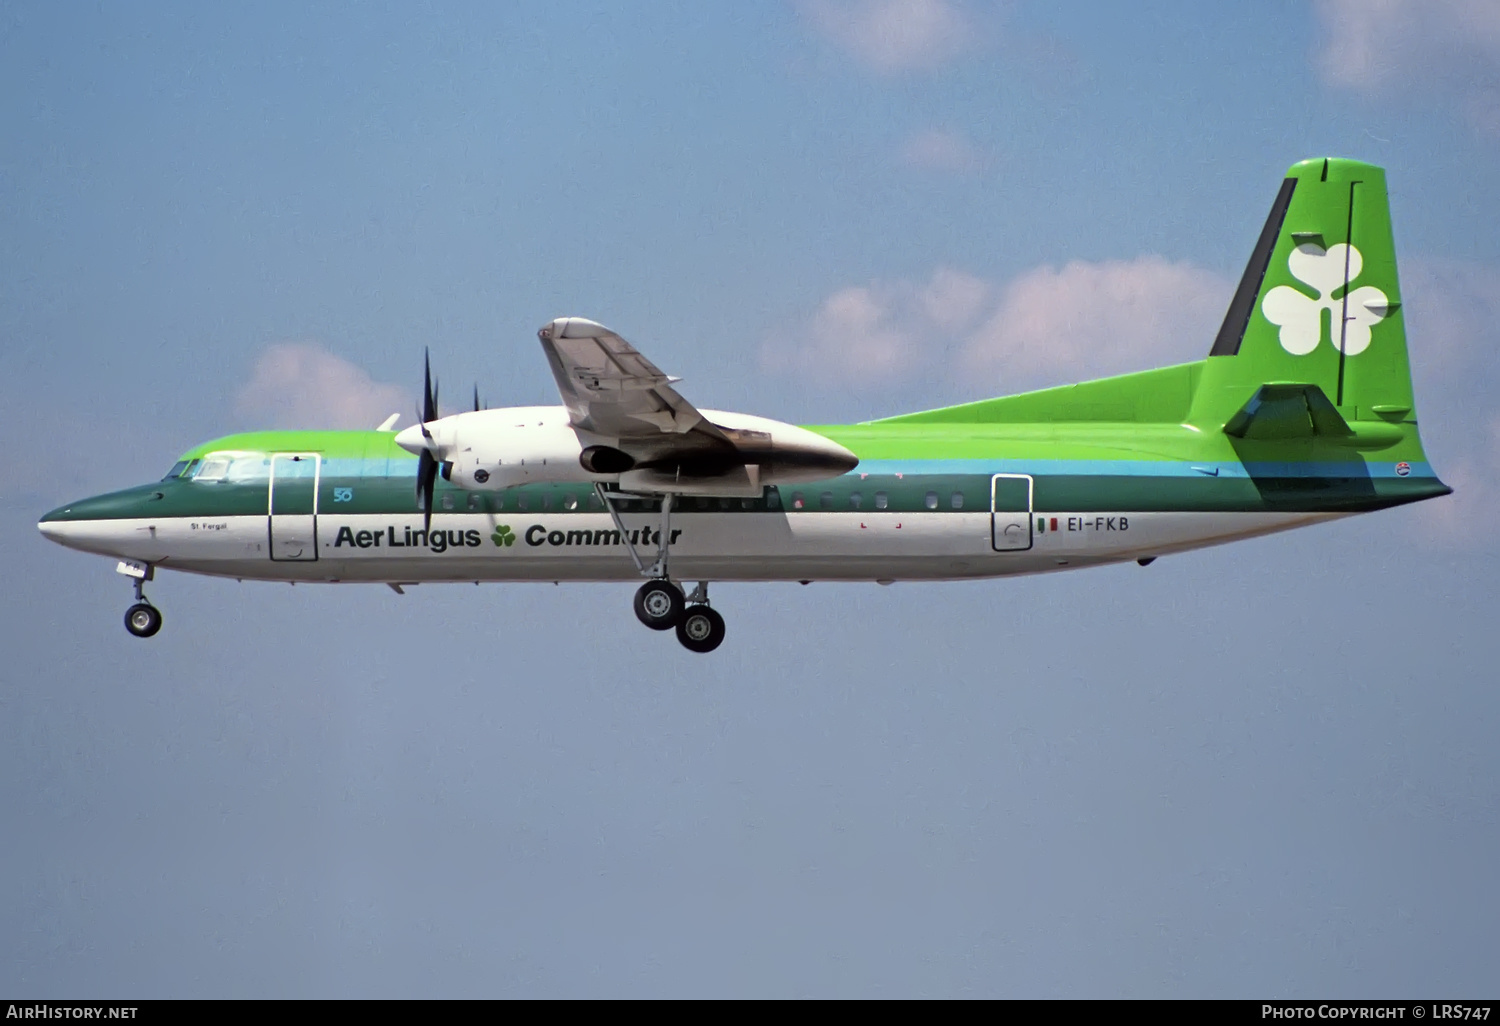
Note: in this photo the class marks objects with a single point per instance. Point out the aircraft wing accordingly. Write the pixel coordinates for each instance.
(610, 389)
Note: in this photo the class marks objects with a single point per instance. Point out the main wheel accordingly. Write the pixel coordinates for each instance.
(658, 605)
(701, 629)
(143, 620)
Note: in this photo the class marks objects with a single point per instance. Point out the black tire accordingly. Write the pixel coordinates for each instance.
(701, 629)
(143, 619)
(658, 605)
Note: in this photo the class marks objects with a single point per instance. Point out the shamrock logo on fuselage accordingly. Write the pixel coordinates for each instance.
(1300, 317)
(503, 536)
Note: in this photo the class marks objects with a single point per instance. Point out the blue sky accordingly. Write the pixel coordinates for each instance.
(1266, 769)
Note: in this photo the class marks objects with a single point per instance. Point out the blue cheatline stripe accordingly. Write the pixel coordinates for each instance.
(1140, 468)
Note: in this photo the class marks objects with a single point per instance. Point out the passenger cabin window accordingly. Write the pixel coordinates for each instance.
(448, 500)
(855, 500)
(826, 500)
(798, 500)
(522, 502)
(474, 500)
(570, 501)
(882, 500)
(773, 499)
(931, 500)
(958, 500)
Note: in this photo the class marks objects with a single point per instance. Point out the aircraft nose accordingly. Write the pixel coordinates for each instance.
(54, 525)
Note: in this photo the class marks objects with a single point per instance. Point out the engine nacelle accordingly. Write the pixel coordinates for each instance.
(495, 449)
(489, 450)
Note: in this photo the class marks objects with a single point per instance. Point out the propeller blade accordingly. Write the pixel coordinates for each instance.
(427, 468)
(429, 393)
(427, 461)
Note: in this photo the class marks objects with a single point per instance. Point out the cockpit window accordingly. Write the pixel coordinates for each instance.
(177, 469)
(213, 469)
(234, 467)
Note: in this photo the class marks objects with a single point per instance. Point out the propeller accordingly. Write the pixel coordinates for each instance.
(427, 464)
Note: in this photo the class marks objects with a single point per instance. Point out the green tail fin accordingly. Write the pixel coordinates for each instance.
(1320, 302)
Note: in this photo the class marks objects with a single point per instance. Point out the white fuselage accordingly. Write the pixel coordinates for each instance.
(707, 545)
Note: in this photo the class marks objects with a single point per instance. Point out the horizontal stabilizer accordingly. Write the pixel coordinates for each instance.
(1288, 411)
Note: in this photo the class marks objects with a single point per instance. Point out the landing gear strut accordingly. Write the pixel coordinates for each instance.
(142, 619)
(659, 604)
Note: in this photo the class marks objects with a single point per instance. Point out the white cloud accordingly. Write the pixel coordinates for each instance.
(862, 334)
(893, 35)
(952, 299)
(940, 149)
(300, 385)
(1382, 46)
(1100, 318)
(1083, 320)
(1452, 311)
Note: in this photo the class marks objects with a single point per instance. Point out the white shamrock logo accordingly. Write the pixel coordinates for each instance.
(1301, 318)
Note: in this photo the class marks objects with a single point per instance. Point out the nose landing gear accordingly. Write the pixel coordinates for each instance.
(142, 619)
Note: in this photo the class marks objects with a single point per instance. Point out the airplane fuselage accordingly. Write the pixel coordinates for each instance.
(340, 507)
(1302, 412)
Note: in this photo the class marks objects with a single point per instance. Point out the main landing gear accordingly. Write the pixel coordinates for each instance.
(659, 604)
(142, 619)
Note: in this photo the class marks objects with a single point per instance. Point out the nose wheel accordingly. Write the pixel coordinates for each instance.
(142, 619)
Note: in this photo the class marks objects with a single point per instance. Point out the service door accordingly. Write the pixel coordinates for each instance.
(294, 505)
(1010, 512)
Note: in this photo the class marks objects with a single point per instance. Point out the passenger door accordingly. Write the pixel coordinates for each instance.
(293, 506)
(1010, 512)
